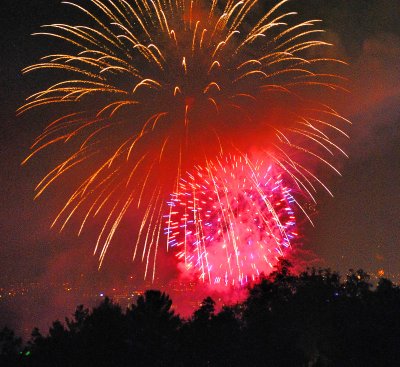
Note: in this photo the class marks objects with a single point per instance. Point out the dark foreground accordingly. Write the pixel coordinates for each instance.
(313, 319)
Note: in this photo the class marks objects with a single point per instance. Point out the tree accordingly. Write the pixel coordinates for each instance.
(205, 312)
(153, 328)
(103, 335)
(9, 347)
(310, 319)
(357, 283)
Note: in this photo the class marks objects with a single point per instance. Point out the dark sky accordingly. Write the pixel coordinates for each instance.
(359, 227)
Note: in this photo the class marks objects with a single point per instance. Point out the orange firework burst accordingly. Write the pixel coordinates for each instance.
(152, 86)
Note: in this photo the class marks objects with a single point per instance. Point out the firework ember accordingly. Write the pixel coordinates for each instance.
(231, 220)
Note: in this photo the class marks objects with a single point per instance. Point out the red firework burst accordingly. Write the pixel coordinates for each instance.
(231, 220)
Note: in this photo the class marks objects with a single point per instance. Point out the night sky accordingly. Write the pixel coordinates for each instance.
(358, 228)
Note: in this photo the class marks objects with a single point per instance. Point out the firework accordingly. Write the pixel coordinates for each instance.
(148, 88)
(231, 220)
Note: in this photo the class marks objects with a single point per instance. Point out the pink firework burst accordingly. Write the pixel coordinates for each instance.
(231, 220)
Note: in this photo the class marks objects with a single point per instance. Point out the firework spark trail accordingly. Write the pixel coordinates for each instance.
(147, 80)
(232, 208)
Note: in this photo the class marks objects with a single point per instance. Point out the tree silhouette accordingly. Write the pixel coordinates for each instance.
(153, 330)
(9, 347)
(309, 319)
(206, 311)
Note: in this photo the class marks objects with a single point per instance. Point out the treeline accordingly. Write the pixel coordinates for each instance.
(310, 319)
